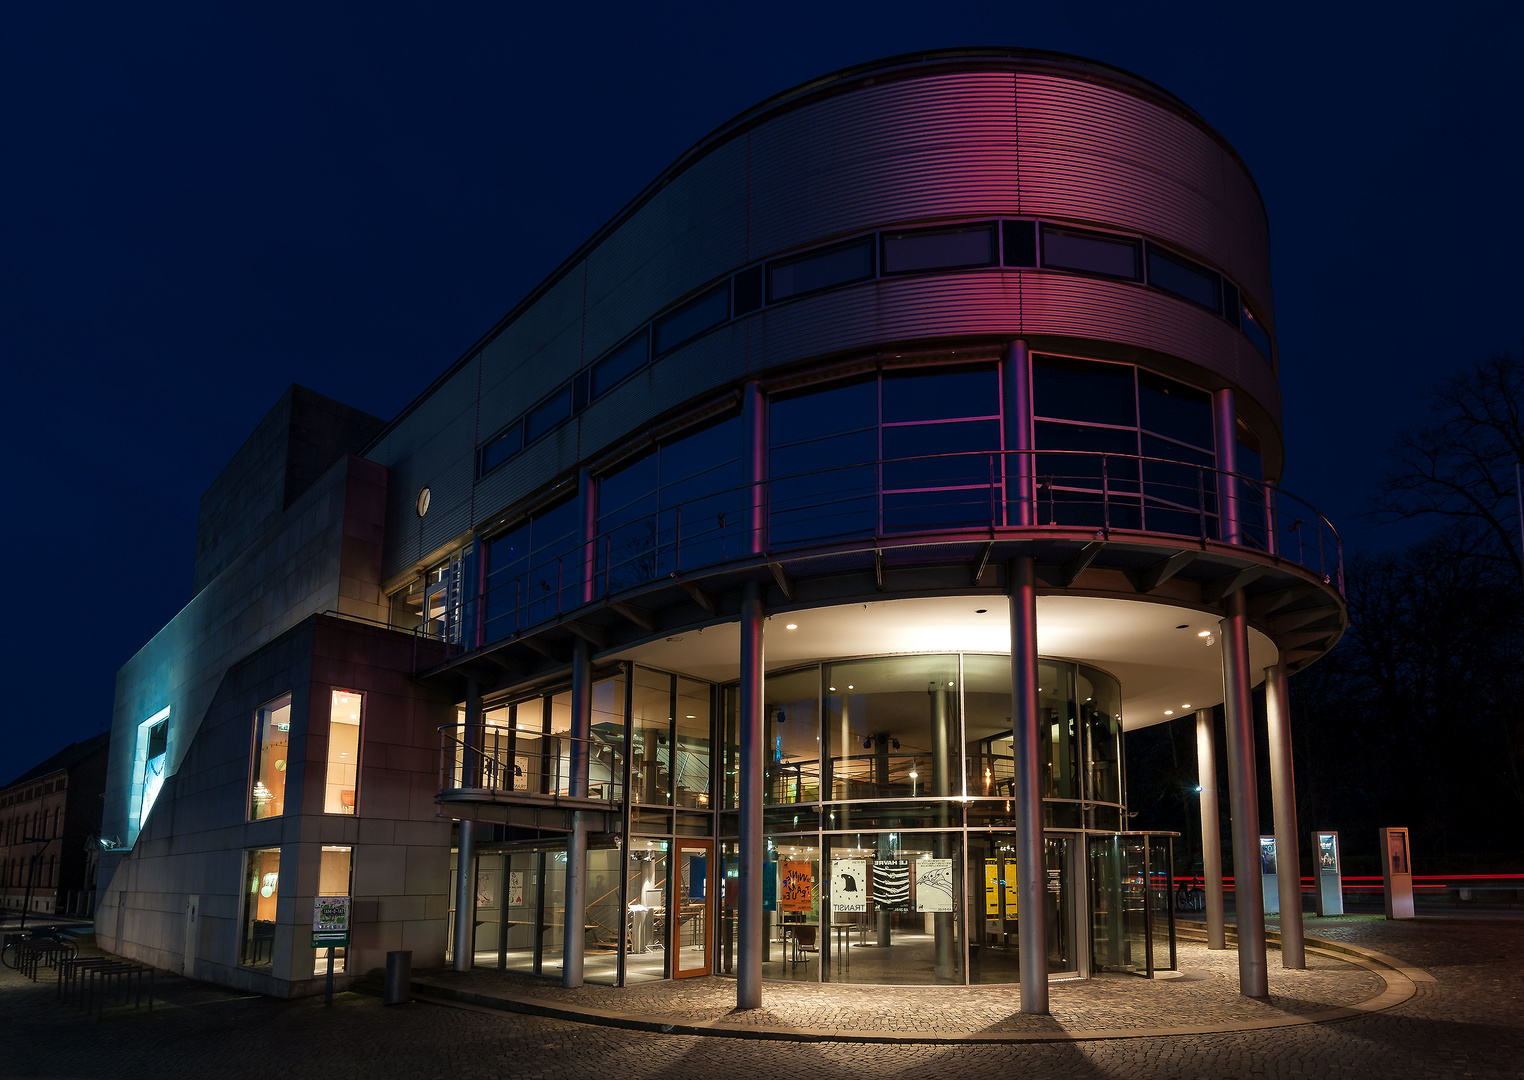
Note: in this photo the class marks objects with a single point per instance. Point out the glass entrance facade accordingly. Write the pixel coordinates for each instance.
(890, 831)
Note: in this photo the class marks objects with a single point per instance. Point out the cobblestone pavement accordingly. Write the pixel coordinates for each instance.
(1205, 996)
(1467, 1023)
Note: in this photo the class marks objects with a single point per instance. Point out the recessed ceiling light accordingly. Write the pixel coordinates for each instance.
(792, 626)
(1169, 712)
(1203, 633)
(980, 611)
(1183, 626)
(1187, 705)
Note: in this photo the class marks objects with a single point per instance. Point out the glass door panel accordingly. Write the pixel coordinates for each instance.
(1058, 894)
(689, 928)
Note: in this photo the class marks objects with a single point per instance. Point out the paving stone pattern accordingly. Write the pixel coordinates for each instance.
(1208, 996)
(1468, 1023)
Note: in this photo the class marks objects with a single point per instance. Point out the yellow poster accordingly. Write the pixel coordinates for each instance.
(797, 878)
(992, 883)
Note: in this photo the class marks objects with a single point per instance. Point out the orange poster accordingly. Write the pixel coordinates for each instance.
(797, 878)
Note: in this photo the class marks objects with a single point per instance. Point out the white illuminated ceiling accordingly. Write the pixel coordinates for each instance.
(1160, 666)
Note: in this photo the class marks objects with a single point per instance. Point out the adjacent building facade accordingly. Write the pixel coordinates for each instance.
(770, 592)
(50, 817)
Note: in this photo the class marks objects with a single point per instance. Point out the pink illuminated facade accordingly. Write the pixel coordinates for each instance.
(799, 553)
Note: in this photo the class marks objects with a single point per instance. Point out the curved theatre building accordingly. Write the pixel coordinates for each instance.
(772, 590)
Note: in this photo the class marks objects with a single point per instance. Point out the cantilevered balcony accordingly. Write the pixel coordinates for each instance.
(1112, 524)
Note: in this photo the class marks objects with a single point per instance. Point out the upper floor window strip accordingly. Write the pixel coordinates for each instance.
(966, 246)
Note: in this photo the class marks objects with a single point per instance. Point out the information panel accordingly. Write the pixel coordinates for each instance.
(330, 922)
(1270, 883)
(1397, 873)
(1330, 880)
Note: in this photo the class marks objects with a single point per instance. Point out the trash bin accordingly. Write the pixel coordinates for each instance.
(399, 977)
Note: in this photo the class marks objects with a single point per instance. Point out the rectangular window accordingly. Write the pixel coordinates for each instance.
(748, 291)
(1019, 239)
(692, 319)
(333, 880)
(1254, 328)
(343, 752)
(1230, 301)
(503, 447)
(939, 249)
(1183, 278)
(260, 896)
(272, 744)
(153, 735)
(840, 265)
(620, 364)
(547, 414)
(1090, 253)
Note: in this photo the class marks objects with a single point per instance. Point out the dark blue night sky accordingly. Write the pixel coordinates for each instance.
(204, 203)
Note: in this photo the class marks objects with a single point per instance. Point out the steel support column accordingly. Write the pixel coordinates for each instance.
(1243, 800)
(1225, 435)
(754, 464)
(1033, 938)
(1288, 856)
(751, 856)
(465, 851)
(1016, 387)
(1211, 838)
(574, 934)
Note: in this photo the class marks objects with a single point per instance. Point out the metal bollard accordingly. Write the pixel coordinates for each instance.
(399, 977)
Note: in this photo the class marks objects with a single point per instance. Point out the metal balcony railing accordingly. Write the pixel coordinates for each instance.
(1005, 494)
(487, 760)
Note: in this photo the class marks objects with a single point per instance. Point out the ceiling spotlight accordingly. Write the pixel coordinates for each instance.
(1169, 712)
(980, 611)
(792, 626)
(1204, 633)
(1187, 705)
(1183, 626)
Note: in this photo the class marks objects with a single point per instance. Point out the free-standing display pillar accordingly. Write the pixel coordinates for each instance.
(1329, 876)
(1397, 873)
(1243, 801)
(751, 927)
(1211, 839)
(1269, 876)
(1032, 933)
(1283, 793)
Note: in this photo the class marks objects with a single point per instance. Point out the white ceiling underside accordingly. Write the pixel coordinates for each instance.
(1164, 670)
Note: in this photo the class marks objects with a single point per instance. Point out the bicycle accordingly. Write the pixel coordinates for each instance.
(10, 955)
(1189, 896)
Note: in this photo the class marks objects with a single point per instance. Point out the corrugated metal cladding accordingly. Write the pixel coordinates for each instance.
(1092, 152)
(434, 448)
(690, 232)
(1082, 307)
(918, 148)
(534, 355)
(975, 143)
(525, 473)
(713, 361)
